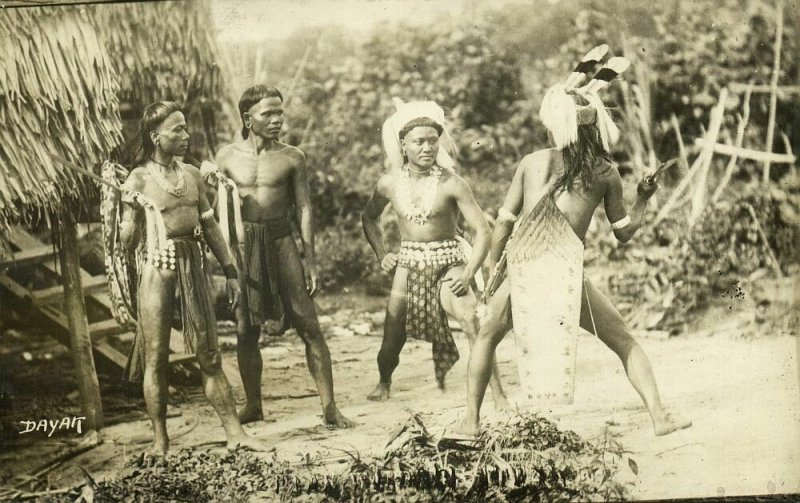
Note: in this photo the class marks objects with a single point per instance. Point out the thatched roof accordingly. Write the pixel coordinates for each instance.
(164, 51)
(66, 72)
(57, 99)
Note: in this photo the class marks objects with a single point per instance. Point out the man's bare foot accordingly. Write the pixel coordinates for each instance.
(251, 415)
(157, 450)
(501, 403)
(338, 421)
(468, 428)
(670, 423)
(380, 393)
(245, 442)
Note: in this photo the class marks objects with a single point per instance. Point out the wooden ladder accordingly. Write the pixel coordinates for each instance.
(47, 302)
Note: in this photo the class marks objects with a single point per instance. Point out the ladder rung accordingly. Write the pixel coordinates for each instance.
(89, 285)
(105, 327)
(28, 256)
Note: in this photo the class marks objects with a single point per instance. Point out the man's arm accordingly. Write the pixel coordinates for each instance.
(508, 213)
(302, 201)
(623, 224)
(476, 221)
(370, 222)
(132, 214)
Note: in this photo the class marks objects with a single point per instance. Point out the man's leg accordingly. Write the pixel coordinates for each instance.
(394, 335)
(218, 392)
(463, 310)
(156, 307)
(250, 365)
(304, 318)
(493, 328)
(611, 329)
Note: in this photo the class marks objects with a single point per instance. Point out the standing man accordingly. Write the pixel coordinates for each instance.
(168, 197)
(272, 179)
(432, 277)
(552, 198)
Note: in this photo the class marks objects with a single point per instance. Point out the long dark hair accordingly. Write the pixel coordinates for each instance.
(152, 117)
(583, 155)
(252, 96)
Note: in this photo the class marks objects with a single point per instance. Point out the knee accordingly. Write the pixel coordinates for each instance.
(247, 336)
(209, 361)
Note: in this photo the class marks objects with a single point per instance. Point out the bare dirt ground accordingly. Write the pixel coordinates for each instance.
(738, 384)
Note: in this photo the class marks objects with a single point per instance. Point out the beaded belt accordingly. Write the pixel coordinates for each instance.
(422, 254)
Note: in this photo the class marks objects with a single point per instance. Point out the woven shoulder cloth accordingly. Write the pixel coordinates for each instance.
(121, 266)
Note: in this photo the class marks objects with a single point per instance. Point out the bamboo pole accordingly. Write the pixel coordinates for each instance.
(698, 162)
(699, 199)
(726, 178)
(681, 146)
(297, 74)
(75, 308)
(773, 96)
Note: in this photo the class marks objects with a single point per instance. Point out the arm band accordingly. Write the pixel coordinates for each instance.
(230, 271)
(619, 224)
(504, 214)
(207, 215)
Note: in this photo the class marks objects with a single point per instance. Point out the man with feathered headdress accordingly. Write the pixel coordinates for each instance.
(539, 235)
(432, 275)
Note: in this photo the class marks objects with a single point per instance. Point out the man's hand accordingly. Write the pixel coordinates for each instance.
(133, 198)
(312, 281)
(234, 293)
(460, 285)
(647, 187)
(389, 263)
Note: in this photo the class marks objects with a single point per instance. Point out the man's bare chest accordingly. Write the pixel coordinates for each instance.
(170, 196)
(261, 172)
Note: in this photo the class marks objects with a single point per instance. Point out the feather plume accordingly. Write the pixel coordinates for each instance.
(610, 71)
(559, 116)
(587, 63)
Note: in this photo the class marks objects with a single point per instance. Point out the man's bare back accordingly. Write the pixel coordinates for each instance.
(265, 179)
(540, 171)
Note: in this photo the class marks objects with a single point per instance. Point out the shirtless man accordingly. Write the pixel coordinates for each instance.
(576, 177)
(432, 277)
(176, 263)
(272, 178)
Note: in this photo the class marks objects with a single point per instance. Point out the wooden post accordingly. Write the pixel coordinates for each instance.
(773, 94)
(726, 178)
(75, 309)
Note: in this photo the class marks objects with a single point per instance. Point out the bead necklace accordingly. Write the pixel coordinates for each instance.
(177, 190)
(425, 188)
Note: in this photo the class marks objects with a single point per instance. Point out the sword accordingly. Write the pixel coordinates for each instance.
(650, 179)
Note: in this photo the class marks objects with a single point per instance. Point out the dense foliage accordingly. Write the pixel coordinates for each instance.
(489, 73)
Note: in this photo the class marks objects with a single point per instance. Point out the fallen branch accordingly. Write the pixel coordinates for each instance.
(707, 155)
(681, 147)
(773, 260)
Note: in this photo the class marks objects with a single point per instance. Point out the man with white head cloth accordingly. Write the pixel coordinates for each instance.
(432, 275)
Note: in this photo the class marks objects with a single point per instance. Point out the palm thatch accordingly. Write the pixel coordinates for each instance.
(57, 100)
(165, 51)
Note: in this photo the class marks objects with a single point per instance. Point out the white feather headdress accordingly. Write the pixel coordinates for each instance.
(561, 115)
(405, 113)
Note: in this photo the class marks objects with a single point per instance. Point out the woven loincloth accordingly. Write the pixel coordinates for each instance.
(545, 269)
(261, 290)
(427, 263)
(184, 256)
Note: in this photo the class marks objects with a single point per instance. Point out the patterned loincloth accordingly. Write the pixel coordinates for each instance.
(427, 263)
(184, 256)
(261, 290)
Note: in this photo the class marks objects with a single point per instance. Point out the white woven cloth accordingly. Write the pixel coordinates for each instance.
(545, 271)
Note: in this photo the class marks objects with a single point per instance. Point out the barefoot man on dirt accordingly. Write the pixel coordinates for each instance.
(272, 179)
(179, 217)
(432, 276)
(552, 198)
